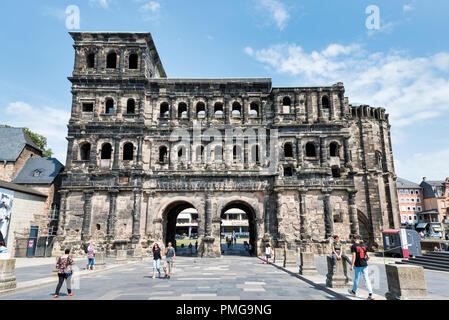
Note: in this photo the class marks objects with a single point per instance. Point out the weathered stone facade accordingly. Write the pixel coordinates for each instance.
(331, 163)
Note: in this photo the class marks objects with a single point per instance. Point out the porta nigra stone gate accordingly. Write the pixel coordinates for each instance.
(302, 162)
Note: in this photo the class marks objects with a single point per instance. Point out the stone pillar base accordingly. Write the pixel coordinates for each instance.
(290, 259)
(279, 255)
(405, 282)
(337, 277)
(307, 267)
(121, 257)
(208, 248)
(7, 277)
(99, 262)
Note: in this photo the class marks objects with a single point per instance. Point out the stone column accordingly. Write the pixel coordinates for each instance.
(309, 108)
(353, 214)
(136, 214)
(227, 110)
(290, 259)
(87, 212)
(93, 154)
(139, 151)
(297, 104)
(319, 106)
(121, 257)
(62, 213)
(304, 223)
(332, 107)
(100, 260)
(405, 282)
(328, 216)
(322, 152)
(7, 277)
(245, 110)
(307, 267)
(111, 216)
(70, 154)
(346, 150)
(267, 213)
(149, 214)
(342, 102)
(208, 215)
(115, 165)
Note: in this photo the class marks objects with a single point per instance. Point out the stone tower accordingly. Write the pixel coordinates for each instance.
(302, 162)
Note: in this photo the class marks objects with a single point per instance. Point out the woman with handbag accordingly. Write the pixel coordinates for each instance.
(64, 267)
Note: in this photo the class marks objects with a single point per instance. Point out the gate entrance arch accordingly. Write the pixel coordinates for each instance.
(169, 217)
(247, 231)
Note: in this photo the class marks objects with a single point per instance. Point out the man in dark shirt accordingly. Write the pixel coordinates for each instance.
(360, 257)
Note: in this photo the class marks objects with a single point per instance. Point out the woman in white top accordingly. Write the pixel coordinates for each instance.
(267, 254)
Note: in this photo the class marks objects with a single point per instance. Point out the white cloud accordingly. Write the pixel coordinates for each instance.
(433, 166)
(152, 6)
(102, 3)
(54, 12)
(407, 7)
(277, 12)
(249, 51)
(47, 121)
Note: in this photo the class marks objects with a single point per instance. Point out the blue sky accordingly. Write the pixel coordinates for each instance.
(402, 66)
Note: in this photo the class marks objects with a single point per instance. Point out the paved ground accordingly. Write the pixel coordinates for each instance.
(227, 278)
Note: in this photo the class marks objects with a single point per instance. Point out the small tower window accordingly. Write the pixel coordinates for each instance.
(286, 105)
(133, 61)
(218, 108)
(310, 150)
(336, 172)
(163, 154)
(106, 151)
(109, 106)
(131, 106)
(254, 109)
(111, 61)
(325, 102)
(200, 109)
(128, 151)
(333, 149)
(236, 109)
(288, 171)
(90, 61)
(165, 112)
(288, 150)
(85, 151)
(88, 107)
(182, 110)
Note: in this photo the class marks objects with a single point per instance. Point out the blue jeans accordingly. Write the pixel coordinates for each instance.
(364, 272)
(90, 262)
(156, 264)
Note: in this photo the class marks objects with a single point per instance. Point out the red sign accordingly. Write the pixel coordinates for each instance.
(30, 243)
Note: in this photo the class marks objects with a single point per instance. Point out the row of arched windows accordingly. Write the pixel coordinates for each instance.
(111, 60)
(200, 109)
(311, 150)
(110, 106)
(106, 151)
(287, 104)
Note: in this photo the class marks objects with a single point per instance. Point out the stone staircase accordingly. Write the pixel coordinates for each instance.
(432, 260)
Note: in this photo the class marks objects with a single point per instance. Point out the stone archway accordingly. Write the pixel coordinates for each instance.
(364, 229)
(251, 216)
(169, 215)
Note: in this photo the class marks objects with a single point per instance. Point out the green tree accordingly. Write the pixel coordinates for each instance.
(39, 140)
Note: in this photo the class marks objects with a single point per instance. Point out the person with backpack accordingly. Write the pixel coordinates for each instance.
(64, 267)
(156, 260)
(90, 256)
(169, 260)
(360, 259)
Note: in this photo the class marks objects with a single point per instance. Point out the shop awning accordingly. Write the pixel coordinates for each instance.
(421, 225)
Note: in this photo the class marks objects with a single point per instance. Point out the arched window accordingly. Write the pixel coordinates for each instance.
(85, 151)
(254, 109)
(378, 158)
(182, 110)
(111, 60)
(163, 154)
(325, 102)
(310, 150)
(133, 61)
(288, 150)
(236, 153)
(90, 60)
(286, 105)
(128, 151)
(165, 111)
(218, 108)
(131, 106)
(200, 109)
(333, 149)
(336, 172)
(106, 151)
(109, 106)
(236, 109)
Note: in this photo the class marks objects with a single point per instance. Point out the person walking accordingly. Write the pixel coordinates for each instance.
(267, 254)
(4, 254)
(156, 260)
(64, 267)
(360, 257)
(338, 253)
(90, 256)
(169, 260)
(235, 238)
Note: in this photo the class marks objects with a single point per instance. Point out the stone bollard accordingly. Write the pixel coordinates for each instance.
(405, 282)
(121, 257)
(7, 278)
(290, 259)
(100, 260)
(279, 255)
(54, 272)
(337, 277)
(307, 267)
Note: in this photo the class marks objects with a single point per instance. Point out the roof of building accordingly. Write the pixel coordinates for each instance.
(38, 171)
(12, 142)
(19, 188)
(403, 183)
(432, 188)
